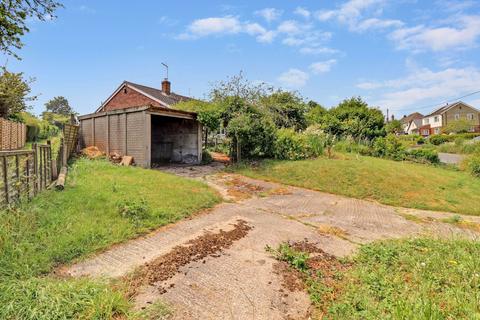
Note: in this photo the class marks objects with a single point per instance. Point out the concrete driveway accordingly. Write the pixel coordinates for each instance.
(451, 158)
(239, 281)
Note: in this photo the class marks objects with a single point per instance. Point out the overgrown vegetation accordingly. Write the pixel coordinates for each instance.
(99, 207)
(401, 184)
(397, 279)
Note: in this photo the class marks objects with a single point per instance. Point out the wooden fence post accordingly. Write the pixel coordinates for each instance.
(5, 177)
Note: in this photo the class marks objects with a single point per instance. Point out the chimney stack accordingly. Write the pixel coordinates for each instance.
(166, 86)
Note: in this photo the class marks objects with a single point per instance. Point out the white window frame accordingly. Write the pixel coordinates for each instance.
(469, 116)
(457, 116)
(436, 119)
(437, 130)
(427, 120)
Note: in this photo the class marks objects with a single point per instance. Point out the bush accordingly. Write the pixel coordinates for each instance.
(290, 145)
(351, 146)
(439, 139)
(206, 157)
(472, 164)
(423, 155)
(389, 147)
(134, 210)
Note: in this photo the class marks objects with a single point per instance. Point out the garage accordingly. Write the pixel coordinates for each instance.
(152, 135)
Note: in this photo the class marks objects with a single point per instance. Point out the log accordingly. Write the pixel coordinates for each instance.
(62, 176)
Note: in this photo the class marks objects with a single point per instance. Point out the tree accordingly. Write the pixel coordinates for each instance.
(59, 105)
(14, 93)
(208, 114)
(286, 108)
(394, 126)
(458, 126)
(353, 117)
(13, 17)
(315, 113)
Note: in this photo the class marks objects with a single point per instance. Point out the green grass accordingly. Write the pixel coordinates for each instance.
(98, 207)
(412, 279)
(399, 279)
(395, 183)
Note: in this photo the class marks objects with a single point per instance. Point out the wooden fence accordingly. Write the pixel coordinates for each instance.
(13, 135)
(24, 173)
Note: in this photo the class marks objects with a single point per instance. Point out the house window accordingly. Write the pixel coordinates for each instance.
(426, 121)
(426, 132)
(470, 116)
(435, 119)
(457, 116)
(437, 130)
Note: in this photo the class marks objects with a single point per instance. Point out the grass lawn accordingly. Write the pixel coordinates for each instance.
(402, 184)
(396, 279)
(101, 205)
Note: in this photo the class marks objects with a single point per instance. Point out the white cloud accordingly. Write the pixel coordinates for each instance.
(269, 14)
(262, 34)
(292, 27)
(463, 34)
(349, 12)
(214, 25)
(352, 13)
(317, 50)
(423, 86)
(223, 26)
(302, 12)
(293, 78)
(322, 66)
(375, 23)
(310, 38)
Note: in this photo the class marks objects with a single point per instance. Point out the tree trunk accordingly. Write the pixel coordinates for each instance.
(206, 138)
(239, 150)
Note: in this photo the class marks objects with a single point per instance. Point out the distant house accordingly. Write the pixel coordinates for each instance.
(412, 123)
(434, 122)
(142, 122)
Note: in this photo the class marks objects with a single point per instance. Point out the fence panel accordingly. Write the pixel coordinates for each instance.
(13, 135)
(24, 173)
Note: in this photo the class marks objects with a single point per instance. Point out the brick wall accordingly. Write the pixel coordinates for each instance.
(126, 98)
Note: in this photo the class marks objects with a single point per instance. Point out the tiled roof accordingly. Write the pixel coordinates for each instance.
(412, 116)
(168, 99)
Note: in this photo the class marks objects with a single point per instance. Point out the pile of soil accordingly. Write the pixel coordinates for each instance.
(220, 157)
(166, 266)
(92, 152)
(241, 190)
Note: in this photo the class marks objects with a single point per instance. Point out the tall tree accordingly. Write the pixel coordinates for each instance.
(287, 109)
(353, 117)
(14, 93)
(13, 17)
(59, 105)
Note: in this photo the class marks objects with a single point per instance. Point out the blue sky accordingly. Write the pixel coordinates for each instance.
(405, 55)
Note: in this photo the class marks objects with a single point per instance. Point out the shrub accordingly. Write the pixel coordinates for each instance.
(291, 145)
(423, 155)
(388, 147)
(420, 140)
(206, 157)
(472, 164)
(439, 139)
(134, 210)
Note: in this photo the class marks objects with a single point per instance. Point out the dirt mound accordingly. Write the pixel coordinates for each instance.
(92, 152)
(166, 266)
(220, 157)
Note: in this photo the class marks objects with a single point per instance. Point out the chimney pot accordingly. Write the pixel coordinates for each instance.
(166, 86)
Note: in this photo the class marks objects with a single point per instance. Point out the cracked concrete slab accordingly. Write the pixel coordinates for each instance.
(240, 282)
